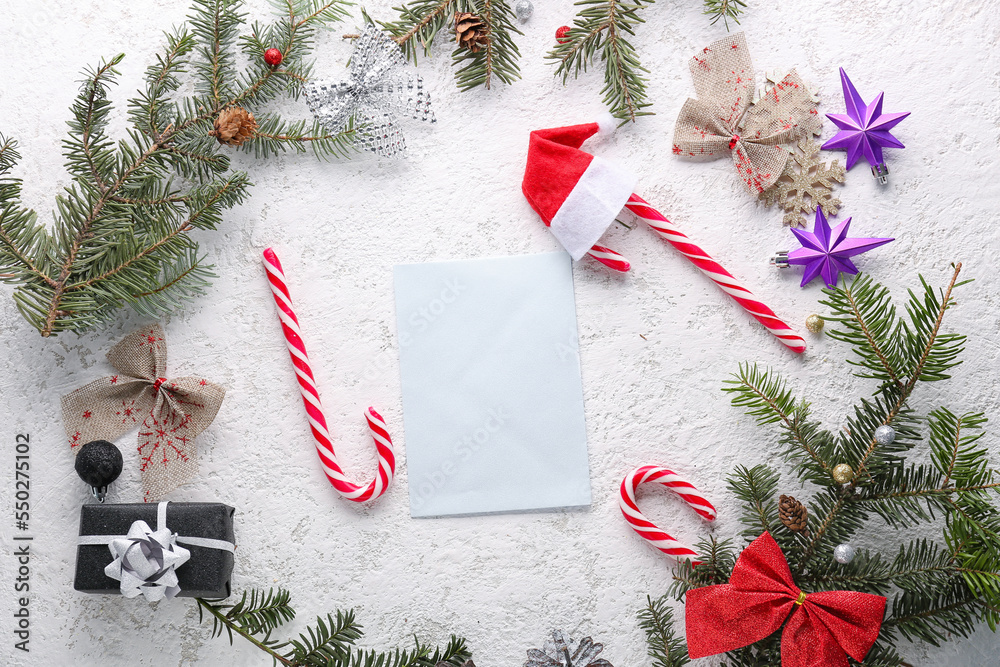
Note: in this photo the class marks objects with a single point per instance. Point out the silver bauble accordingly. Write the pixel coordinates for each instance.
(523, 9)
(843, 553)
(884, 435)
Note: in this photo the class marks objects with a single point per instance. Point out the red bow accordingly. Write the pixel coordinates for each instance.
(759, 597)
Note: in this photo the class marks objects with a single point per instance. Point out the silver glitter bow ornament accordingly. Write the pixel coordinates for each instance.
(379, 87)
(722, 119)
(170, 413)
(145, 562)
(558, 652)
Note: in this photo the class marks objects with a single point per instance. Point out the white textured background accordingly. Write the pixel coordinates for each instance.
(501, 581)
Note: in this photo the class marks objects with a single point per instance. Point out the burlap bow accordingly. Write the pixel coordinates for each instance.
(720, 121)
(170, 413)
(379, 87)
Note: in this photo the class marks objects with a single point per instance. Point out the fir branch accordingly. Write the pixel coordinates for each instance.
(656, 620)
(935, 355)
(196, 159)
(931, 616)
(768, 400)
(419, 22)
(275, 135)
(765, 653)
(329, 640)
(932, 355)
(498, 57)
(183, 281)
(954, 451)
(868, 573)
(455, 654)
(256, 612)
(121, 234)
(883, 656)
(153, 108)
(24, 243)
(936, 592)
(838, 519)
(756, 488)
(328, 643)
(315, 12)
(215, 26)
(604, 26)
(8, 159)
(715, 566)
(223, 621)
(869, 325)
(725, 10)
(904, 497)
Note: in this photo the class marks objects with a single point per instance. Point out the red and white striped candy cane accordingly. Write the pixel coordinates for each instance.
(314, 409)
(656, 220)
(646, 528)
(609, 258)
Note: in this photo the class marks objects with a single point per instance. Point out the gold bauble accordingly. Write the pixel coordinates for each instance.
(842, 473)
(814, 323)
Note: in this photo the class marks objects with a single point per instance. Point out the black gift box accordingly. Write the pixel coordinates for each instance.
(205, 575)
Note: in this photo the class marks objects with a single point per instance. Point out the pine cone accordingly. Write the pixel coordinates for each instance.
(233, 126)
(470, 31)
(793, 514)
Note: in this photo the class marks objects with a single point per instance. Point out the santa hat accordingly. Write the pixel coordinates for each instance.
(576, 194)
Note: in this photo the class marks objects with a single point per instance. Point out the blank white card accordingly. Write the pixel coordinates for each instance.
(492, 396)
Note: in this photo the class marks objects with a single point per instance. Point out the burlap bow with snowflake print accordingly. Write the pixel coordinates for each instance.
(722, 119)
(169, 413)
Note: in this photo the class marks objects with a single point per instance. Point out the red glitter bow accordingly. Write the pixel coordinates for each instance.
(759, 597)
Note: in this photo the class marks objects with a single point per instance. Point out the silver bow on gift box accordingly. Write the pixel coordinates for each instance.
(379, 87)
(145, 562)
(722, 119)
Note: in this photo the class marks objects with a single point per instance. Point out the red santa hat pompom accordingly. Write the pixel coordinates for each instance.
(576, 194)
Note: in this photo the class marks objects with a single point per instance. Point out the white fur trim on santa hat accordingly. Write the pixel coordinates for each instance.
(607, 124)
(592, 206)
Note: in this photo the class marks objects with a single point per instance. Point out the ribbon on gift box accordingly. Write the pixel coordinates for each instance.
(146, 560)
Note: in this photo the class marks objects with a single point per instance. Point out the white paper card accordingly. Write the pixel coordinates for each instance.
(492, 395)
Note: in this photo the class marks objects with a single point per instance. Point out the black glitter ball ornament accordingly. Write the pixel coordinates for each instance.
(99, 463)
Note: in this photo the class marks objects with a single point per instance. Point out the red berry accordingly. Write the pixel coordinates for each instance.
(561, 33)
(272, 57)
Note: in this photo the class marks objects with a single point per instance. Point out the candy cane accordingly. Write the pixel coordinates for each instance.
(609, 258)
(638, 206)
(314, 409)
(646, 528)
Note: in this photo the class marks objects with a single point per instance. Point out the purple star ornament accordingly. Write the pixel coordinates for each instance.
(825, 253)
(864, 130)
